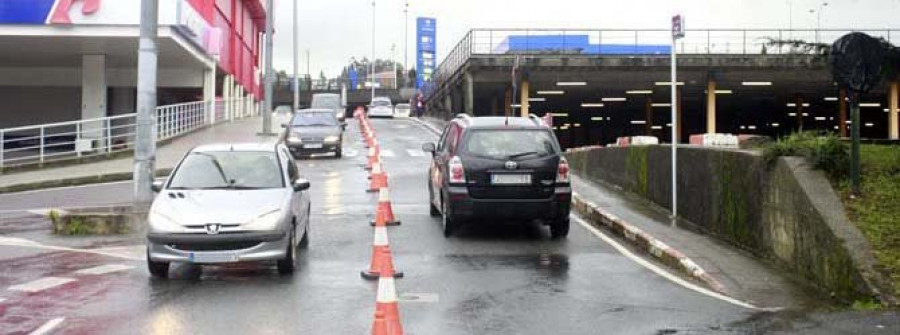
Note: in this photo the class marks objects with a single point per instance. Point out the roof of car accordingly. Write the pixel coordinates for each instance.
(315, 110)
(500, 121)
(246, 146)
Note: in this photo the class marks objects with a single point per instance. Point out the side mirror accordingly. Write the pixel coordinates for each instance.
(428, 147)
(301, 185)
(157, 185)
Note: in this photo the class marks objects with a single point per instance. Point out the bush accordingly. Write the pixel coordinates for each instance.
(825, 151)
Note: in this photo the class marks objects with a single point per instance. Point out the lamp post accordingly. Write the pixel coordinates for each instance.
(296, 60)
(677, 32)
(372, 62)
(145, 132)
(270, 74)
(406, 42)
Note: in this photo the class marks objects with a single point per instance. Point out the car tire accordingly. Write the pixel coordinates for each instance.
(447, 221)
(304, 242)
(559, 228)
(286, 265)
(434, 211)
(339, 153)
(157, 269)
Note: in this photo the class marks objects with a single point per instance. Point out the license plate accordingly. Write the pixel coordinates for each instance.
(511, 179)
(213, 257)
(313, 146)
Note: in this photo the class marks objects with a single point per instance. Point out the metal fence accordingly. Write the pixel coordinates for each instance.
(50, 142)
(608, 41)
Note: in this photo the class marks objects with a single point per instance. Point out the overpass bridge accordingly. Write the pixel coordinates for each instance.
(602, 84)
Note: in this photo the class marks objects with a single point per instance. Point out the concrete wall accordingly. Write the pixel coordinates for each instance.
(786, 212)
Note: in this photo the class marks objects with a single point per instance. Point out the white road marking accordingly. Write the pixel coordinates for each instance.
(41, 284)
(387, 153)
(48, 327)
(134, 253)
(2, 300)
(70, 187)
(104, 269)
(665, 274)
(350, 153)
(415, 153)
(420, 297)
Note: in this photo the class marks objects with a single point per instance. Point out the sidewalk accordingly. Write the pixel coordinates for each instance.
(742, 275)
(120, 168)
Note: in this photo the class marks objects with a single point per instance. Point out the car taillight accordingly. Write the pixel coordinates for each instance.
(562, 173)
(457, 173)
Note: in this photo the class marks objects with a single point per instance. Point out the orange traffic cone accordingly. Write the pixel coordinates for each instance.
(379, 326)
(386, 305)
(381, 264)
(384, 214)
(373, 157)
(379, 178)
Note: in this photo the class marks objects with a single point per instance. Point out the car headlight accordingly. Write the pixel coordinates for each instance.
(332, 139)
(163, 223)
(267, 221)
(294, 139)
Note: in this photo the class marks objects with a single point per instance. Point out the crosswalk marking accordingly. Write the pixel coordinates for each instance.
(415, 153)
(104, 269)
(41, 284)
(48, 327)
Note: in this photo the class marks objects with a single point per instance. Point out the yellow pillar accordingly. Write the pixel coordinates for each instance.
(711, 106)
(524, 103)
(893, 97)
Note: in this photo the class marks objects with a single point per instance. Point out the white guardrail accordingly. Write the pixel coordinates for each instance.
(50, 142)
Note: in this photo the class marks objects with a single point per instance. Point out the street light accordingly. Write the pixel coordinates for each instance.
(372, 62)
(406, 42)
(296, 60)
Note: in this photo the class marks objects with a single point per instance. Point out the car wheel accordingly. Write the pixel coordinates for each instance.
(434, 212)
(339, 153)
(286, 265)
(559, 228)
(157, 269)
(304, 241)
(447, 220)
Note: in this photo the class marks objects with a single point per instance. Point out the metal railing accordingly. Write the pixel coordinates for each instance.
(618, 41)
(50, 142)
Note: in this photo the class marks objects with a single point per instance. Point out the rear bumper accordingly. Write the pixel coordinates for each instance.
(213, 249)
(464, 207)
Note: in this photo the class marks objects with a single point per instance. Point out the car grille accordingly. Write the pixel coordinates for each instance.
(213, 246)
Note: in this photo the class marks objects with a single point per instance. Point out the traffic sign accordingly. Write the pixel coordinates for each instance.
(677, 27)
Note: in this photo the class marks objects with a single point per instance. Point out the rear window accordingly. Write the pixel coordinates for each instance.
(381, 103)
(510, 143)
(313, 119)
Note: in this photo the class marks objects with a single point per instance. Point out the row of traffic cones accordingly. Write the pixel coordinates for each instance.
(381, 267)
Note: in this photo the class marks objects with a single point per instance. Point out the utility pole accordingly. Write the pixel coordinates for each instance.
(270, 74)
(677, 32)
(308, 73)
(394, 63)
(296, 59)
(372, 62)
(406, 43)
(145, 132)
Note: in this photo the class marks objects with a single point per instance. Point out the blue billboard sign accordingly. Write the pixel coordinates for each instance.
(425, 50)
(25, 11)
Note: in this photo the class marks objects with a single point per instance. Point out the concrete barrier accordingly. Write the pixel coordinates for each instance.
(787, 212)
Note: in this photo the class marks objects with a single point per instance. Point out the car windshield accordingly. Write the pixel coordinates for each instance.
(326, 101)
(228, 170)
(381, 103)
(510, 144)
(311, 119)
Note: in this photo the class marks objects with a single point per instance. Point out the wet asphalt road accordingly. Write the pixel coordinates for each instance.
(489, 278)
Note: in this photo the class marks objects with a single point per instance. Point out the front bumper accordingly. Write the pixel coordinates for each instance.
(464, 207)
(220, 248)
(299, 149)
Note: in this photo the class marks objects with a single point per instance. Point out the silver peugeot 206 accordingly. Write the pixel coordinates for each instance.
(229, 203)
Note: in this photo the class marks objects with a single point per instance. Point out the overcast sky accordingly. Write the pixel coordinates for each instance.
(335, 30)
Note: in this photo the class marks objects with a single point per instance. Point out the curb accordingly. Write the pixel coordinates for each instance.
(643, 241)
(77, 181)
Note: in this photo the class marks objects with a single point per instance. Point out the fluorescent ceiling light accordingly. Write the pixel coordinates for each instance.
(791, 104)
(639, 92)
(591, 105)
(550, 92)
(805, 114)
(723, 91)
(537, 99)
(869, 104)
(669, 83)
(751, 127)
(820, 118)
(638, 122)
(792, 114)
(577, 125)
(757, 83)
(776, 125)
(656, 127)
(515, 105)
(571, 83)
(613, 99)
(870, 124)
(831, 99)
(597, 118)
(662, 104)
(887, 110)
(743, 127)
(560, 114)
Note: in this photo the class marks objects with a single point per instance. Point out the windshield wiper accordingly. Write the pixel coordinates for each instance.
(523, 154)
(218, 166)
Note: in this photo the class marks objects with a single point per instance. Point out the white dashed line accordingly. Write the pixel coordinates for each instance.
(350, 153)
(652, 267)
(387, 153)
(48, 327)
(104, 269)
(415, 153)
(41, 284)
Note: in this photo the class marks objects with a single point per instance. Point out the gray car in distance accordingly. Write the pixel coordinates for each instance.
(330, 101)
(227, 203)
(314, 131)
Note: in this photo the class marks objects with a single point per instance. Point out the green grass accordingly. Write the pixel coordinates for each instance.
(877, 211)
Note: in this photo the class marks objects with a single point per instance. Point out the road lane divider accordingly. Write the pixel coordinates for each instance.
(382, 264)
(384, 212)
(387, 310)
(379, 178)
(42, 284)
(372, 158)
